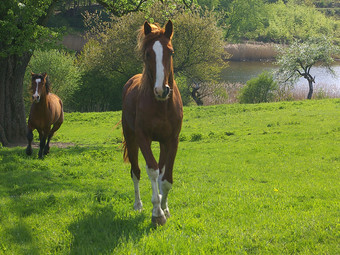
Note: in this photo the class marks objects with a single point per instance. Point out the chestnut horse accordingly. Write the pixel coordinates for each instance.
(46, 110)
(153, 111)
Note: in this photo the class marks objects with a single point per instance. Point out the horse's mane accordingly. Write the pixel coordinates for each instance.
(47, 85)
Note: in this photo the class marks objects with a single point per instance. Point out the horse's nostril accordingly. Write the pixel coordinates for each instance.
(166, 91)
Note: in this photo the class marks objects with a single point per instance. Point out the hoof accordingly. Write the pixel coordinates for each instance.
(138, 206)
(46, 151)
(158, 221)
(40, 155)
(167, 213)
(29, 151)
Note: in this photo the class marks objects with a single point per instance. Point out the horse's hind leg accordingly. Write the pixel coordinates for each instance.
(50, 135)
(29, 139)
(132, 152)
(135, 174)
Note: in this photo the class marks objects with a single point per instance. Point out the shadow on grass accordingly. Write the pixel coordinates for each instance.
(30, 186)
(103, 230)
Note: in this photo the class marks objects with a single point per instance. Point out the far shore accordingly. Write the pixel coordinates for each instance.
(248, 51)
(254, 51)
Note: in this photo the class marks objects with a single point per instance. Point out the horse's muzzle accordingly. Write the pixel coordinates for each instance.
(165, 94)
(36, 98)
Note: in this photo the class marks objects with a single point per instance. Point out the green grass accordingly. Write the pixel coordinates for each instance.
(248, 179)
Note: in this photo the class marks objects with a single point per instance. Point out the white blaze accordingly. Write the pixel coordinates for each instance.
(36, 94)
(158, 49)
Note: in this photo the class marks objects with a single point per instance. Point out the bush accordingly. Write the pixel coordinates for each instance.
(63, 74)
(258, 90)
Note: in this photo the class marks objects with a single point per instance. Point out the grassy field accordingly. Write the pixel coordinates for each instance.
(249, 179)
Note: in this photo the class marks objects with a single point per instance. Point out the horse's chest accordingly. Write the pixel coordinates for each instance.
(160, 128)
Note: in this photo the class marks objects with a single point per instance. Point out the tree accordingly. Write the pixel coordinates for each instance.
(22, 29)
(297, 60)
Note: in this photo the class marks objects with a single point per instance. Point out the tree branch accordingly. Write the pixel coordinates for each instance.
(188, 5)
(49, 12)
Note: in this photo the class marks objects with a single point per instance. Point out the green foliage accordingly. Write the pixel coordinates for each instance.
(290, 21)
(258, 90)
(22, 26)
(98, 92)
(261, 179)
(245, 19)
(272, 21)
(62, 71)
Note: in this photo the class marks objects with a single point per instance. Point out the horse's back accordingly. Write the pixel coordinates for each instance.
(130, 89)
(130, 94)
(56, 108)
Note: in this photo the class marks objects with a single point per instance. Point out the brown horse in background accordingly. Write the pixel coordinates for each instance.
(153, 111)
(46, 110)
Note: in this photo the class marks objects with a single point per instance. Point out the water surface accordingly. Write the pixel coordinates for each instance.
(243, 71)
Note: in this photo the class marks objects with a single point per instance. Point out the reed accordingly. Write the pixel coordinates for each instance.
(251, 51)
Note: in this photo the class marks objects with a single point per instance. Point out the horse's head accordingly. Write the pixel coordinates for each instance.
(157, 53)
(39, 86)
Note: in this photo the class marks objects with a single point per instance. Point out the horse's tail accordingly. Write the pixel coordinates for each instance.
(125, 154)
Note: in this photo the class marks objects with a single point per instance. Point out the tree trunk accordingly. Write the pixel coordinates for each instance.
(310, 92)
(196, 96)
(12, 110)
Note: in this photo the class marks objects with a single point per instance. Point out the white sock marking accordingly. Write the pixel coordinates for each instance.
(138, 202)
(156, 197)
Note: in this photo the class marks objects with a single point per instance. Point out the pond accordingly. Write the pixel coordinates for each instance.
(241, 72)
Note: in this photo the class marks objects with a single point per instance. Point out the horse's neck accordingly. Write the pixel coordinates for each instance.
(43, 103)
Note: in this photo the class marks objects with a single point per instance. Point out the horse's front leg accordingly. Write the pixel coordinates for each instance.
(166, 163)
(158, 217)
(42, 139)
(29, 139)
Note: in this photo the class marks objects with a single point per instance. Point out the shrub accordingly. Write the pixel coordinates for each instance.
(259, 89)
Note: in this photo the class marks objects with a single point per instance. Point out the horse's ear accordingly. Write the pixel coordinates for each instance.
(32, 73)
(44, 75)
(147, 28)
(169, 28)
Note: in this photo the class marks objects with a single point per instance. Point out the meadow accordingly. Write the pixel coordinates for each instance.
(248, 179)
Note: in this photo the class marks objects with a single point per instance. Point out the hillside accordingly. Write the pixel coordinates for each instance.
(247, 179)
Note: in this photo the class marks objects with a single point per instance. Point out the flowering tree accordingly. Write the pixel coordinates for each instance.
(297, 60)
